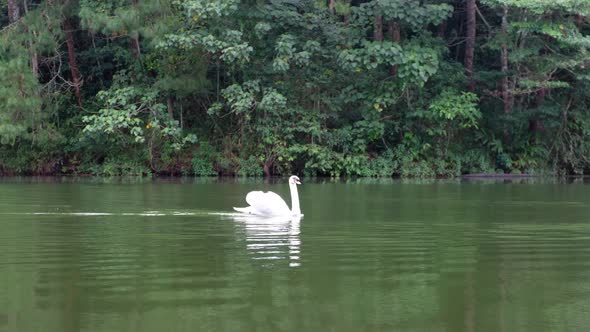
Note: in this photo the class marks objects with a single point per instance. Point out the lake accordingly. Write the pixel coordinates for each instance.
(97, 254)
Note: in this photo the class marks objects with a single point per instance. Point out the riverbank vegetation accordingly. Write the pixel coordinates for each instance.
(322, 88)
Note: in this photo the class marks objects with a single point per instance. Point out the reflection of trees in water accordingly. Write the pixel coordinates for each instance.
(442, 257)
(272, 239)
(103, 272)
(139, 272)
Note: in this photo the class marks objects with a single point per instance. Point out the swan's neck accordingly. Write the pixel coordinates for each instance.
(295, 209)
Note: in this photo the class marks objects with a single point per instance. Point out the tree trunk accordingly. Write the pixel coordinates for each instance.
(34, 55)
(181, 118)
(67, 26)
(135, 48)
(266, 168)
(170, 109)
(378, 28)
(470, 43)
(504, 61)
(395, 34)
(442, 29)
(535, 124)
(332, 6)
(35, 63)
(13, 11)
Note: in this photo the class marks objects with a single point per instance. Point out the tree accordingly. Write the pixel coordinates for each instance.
(135, 48)
(13, 11)
(76, 82)
(360, 87)
(506, 91)
(470, 42)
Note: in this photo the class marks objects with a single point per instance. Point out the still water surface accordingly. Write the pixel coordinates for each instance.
(168, 255)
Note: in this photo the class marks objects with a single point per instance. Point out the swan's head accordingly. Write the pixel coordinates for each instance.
(294, 180)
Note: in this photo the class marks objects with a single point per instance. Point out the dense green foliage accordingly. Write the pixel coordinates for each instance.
(253, 87)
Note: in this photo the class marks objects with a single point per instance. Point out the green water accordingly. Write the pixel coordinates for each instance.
(167, 255)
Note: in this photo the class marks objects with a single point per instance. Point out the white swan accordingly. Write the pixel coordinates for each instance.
(270, 204)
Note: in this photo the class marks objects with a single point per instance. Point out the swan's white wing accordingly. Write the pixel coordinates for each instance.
(267, 204)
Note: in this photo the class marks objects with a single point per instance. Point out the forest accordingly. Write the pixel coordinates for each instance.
(381, 88)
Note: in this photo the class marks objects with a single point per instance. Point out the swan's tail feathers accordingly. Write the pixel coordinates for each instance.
(247, 210)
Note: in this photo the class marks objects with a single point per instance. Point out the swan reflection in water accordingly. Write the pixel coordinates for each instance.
(272, 238)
